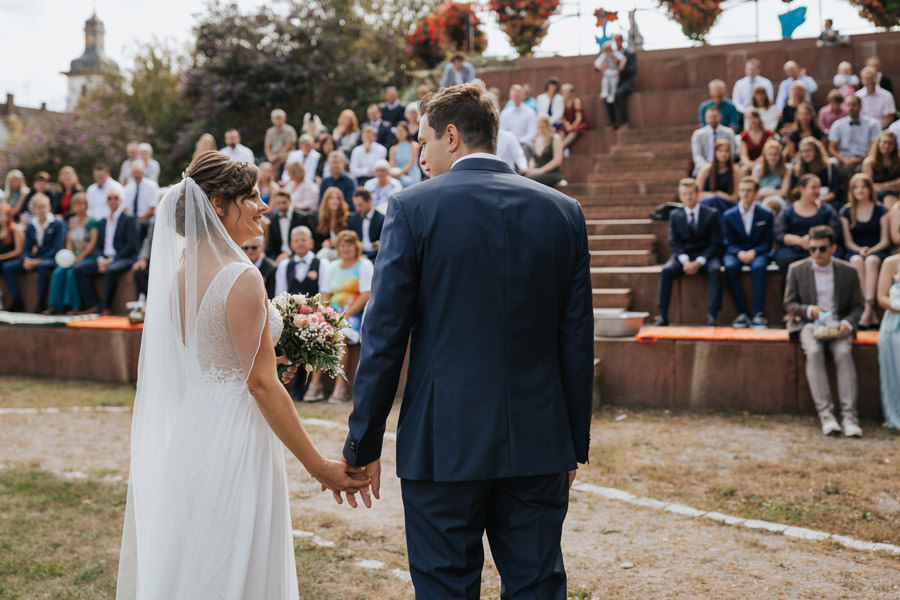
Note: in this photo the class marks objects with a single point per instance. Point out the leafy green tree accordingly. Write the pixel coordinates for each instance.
(317, 56)
(151, 93)
(883, 13)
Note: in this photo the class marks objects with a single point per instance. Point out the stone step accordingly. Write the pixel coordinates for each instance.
(653, 199)
(657, 148)
(628, 156)
(615, 187)
(637, 211)
(651, 134)
(612, 298)
(622, 258)
(638, 241)
(626, 226)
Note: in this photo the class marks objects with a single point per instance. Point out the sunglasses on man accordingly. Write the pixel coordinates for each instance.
(817, 249)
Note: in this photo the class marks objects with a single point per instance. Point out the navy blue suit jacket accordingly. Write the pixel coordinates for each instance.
(125, 239)
(54, 240)
(487, 274)
(355, 223)
(705, 241)
(762, 232)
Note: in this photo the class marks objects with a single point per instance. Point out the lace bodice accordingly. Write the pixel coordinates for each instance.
(218, 352)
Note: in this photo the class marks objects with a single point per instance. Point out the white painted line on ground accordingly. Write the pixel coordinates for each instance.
(787, 530)
(53, 410)
(370, 564)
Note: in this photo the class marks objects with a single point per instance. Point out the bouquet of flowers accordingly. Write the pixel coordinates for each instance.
(312, 334)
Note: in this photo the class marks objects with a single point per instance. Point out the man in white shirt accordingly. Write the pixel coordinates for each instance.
(382, 186)
(794, 73)
(518, 119)
(140, 197)
(125, 171)
(235, 149)
(742, 93)
(877, 103)
(282, 223)
(300, 274)
(817, 286)
(307, 155)
(851, 137)
(510, 151)
(364, 156)
(97, 192)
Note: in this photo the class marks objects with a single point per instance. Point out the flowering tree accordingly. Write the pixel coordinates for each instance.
(91, 134)
(696, 17)
(445, 31)
(525, 22)
(883, 13)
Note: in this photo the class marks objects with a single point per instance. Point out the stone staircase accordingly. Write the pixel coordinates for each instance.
(624, 186)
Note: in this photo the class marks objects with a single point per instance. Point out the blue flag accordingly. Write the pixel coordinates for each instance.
(791, 20)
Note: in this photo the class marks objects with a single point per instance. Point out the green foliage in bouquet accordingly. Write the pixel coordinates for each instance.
(312, 338)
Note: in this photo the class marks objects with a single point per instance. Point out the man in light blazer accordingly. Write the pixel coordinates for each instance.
(457, 71)
(703, 140)
(487, 275)
(822, 284)
(695, 238)
(749, 233)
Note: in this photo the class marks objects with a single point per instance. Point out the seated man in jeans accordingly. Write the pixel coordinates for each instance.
(117, 247)
(749, 234)
(695, 237)
(817, 285)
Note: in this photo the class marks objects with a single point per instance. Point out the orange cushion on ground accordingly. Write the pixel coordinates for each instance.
(650, 335)
(108, 323)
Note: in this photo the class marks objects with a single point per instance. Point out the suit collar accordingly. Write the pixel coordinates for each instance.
(483, 162)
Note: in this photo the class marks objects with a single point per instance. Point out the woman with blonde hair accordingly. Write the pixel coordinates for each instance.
(81, 240)
(304, 194)
(865, 225)
(545, 164)
(786, 121)
(771, 172)
(882, 165)
(68, 183)
(15, 191)
(332, 220)
(346, 132)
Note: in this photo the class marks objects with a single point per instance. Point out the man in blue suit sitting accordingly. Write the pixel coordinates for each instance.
(695, 238)
(749, 233)
(117, 247)
(486, 274)
(44, 237)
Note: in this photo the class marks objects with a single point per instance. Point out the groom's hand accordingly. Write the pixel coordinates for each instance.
(373, 470)
(359, 473)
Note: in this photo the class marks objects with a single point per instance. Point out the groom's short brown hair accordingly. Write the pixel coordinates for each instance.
(470, 109)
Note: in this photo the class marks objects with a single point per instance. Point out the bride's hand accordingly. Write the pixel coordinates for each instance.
(338, 476)
(290, 372)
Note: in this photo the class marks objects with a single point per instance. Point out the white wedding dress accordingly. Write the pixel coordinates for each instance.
(207, 514)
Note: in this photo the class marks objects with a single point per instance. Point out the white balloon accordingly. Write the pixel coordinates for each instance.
(65, 258)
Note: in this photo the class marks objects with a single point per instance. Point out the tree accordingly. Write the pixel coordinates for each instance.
(315, 56)
(525, 22)
(151, 93)
(91, 134)
(883, 13)
(452, 27)
(696, 17)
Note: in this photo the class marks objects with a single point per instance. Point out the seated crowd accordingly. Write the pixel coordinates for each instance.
(837, 166)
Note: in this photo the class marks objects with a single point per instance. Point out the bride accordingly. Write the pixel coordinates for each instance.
(207, 514)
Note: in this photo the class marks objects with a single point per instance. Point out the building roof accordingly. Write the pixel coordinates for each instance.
(92, 61)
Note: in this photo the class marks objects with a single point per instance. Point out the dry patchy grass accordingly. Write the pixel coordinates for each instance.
(20, 392)
(774, 468)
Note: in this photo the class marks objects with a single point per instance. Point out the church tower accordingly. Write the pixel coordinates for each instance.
(85, 71)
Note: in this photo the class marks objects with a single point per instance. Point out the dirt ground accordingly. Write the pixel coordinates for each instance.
(780, 469)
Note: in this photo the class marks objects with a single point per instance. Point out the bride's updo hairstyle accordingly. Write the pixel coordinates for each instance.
(218, 176)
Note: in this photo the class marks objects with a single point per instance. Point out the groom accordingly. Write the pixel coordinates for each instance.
(487, 275)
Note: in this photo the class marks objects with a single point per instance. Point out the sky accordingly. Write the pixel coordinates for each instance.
(41, 37)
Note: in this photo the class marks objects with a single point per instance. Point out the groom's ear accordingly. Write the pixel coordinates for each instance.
(453, 137)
